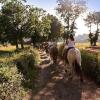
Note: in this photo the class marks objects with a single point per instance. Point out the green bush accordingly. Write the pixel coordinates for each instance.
(10, 83)
(91, 65)
(26, 65)
(17, 75)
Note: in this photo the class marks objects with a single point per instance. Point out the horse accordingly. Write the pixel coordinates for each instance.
(53, 51)
(74, 62)
(45, 47)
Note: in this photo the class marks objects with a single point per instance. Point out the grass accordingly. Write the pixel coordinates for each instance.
(9, 51)
(84, 45)
(91, 65)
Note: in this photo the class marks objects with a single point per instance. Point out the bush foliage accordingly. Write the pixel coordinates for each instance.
(91, 65)
(16, 80)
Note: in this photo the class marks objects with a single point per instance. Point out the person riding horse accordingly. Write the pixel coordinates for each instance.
(70, 43)
(72, 57)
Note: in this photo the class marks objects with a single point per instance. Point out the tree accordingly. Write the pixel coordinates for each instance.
(97, 23)
(35, 17)
(93, 18)
(96, 19)
(12, 20)
(46, 26)
(96, 35)
(89, 20)
(70, 11)
(91, 38)
(5, 1)
(57, 29)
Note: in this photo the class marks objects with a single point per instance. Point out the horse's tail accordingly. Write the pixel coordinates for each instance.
(78, 70)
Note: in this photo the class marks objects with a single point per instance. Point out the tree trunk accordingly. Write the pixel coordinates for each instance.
(91, 42)
(90, 28)
(97, 27)
(21, 42)
(32, 38)
(16, 43)
(68, 23)
(94, 43)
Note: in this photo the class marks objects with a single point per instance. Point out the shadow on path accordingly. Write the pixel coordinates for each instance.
(51, 85)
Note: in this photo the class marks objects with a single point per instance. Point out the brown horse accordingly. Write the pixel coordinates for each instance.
(53, 50)
(74, 62)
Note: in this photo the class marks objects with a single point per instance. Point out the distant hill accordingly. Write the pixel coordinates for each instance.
(83, 38)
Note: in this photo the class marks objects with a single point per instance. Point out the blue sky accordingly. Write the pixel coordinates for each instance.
(51, 4)
(45, 4)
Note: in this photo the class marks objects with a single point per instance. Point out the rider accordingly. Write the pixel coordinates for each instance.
(70, 43)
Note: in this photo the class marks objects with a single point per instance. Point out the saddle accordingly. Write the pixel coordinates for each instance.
(66, 53)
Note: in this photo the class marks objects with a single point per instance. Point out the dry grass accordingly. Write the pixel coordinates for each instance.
(8, 53)
(84, 45)
(8, 48)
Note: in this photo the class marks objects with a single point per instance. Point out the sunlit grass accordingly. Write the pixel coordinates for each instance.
(84, 45)
(8, 53)
(8, 48)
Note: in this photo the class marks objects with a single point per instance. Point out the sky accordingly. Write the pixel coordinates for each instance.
(50, 5)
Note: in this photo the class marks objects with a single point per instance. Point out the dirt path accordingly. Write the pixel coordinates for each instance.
(52, 85)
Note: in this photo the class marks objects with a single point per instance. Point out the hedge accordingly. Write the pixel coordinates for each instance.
(91, 65)
(15, 80)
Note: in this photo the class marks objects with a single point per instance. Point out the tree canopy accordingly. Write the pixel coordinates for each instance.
(70, 11)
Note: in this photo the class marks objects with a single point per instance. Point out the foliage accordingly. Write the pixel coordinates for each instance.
(5, 1)
(57, 29)
(10, 82)
(21, 22)
(91, 65)
(14, 83)
(25, 64)
(12, 20)
(89, 20)
(93, 19)
(46, 26)
(70, 11)
(36, 24)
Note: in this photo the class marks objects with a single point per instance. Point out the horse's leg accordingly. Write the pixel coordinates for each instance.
(51, 58)
(70, 72)
(81, 74)
(78, 65)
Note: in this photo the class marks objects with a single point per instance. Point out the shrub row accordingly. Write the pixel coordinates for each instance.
(26, 65)
(91, 65)
(17, 75)
(10, 84)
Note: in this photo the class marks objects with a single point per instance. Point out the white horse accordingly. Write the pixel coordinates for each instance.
(74, 61)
